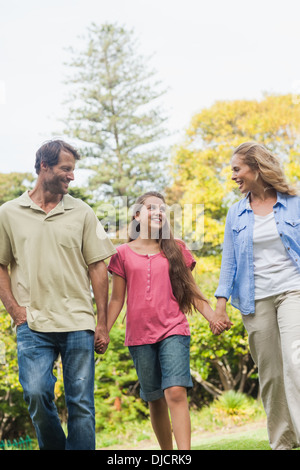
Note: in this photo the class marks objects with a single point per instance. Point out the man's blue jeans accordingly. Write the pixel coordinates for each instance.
(37, 353)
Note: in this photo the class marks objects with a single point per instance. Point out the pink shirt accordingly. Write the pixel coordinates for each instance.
(153, 312)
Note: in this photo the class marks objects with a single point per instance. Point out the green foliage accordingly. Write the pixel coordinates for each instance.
(207, 349)
(232, 403)
(12, 185)
(17, 444)
(80, 193)
(230, 409)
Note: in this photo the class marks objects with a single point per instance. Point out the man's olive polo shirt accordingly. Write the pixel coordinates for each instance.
(48, 255)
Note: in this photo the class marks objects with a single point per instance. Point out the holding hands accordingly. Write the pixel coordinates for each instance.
(101, 339)
(217, 327)
(218, 320)
(221, 320)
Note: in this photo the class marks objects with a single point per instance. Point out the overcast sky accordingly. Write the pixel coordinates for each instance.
(204, 51)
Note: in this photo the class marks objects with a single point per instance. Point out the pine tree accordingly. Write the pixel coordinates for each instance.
(114, 113)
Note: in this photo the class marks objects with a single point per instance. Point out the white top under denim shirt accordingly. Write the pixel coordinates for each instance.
(237, 279)
(274, 271)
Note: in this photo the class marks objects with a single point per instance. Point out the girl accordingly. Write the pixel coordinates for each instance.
(156, 271)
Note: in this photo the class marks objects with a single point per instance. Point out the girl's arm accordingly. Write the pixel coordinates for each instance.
(116, 300)
(205, 309)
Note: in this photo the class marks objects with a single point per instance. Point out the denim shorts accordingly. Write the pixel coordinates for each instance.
(162, 365)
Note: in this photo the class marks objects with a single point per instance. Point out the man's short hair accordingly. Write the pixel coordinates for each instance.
(49, 153)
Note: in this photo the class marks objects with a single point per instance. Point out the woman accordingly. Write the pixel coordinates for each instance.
(261, 272)
(155, 270)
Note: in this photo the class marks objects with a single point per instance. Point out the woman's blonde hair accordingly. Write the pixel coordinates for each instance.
(257, 157)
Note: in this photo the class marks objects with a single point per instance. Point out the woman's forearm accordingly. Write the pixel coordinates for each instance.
(221, 304)
(221, 314)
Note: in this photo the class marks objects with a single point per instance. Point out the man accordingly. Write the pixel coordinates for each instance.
(54, 246)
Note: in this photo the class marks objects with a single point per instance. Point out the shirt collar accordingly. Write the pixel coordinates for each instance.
(281, 199)
(67, 201)
(26, 201)
(245, 203)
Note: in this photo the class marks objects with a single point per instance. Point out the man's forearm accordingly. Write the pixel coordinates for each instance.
(6, 294)
(99, 280)
(17, 313)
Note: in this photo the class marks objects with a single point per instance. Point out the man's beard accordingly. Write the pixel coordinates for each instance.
(55, 186)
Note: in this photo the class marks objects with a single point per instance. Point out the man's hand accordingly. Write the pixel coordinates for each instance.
(19, 315)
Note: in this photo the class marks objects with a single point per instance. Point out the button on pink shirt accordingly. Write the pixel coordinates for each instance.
(153, 312)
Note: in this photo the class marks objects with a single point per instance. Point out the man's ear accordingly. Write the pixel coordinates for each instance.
(44, 166)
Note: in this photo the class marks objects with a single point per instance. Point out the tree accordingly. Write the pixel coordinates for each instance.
(114, 113)
(12, 185)
(202, 163)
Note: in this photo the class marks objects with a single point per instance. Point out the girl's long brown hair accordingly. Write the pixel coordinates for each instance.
(184, 288)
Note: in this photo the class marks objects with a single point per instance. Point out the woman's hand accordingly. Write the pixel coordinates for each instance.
(220, 320)
(221, 314)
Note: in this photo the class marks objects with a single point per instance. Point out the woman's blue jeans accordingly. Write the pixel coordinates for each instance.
(37, 353)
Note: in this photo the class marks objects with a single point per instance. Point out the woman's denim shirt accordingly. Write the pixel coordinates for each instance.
(237, 270)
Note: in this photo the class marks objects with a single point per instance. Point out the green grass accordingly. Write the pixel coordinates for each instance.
(248, 440)
(228, 420)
